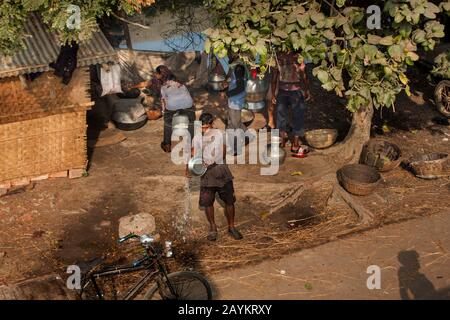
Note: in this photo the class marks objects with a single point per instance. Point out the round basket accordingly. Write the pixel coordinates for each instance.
(381, 154)
(154, 114)
(430, 166)
(358, 179)
(321, 138)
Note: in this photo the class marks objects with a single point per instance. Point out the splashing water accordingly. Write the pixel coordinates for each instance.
(183, 223)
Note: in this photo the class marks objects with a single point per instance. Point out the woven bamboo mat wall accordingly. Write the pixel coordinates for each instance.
(46, 95)
(44, 145)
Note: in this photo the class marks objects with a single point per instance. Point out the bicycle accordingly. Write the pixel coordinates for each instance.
(182, 285)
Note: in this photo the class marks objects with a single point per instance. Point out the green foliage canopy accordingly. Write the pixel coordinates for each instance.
(337, 41)
(442, 68)
(13, 15)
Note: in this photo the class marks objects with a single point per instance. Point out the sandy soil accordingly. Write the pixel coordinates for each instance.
(59, 222)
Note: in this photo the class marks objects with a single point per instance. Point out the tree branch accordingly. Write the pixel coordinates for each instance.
(130, 22)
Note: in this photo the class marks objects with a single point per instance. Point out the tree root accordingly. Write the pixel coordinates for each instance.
(292, 196)
(340, 195)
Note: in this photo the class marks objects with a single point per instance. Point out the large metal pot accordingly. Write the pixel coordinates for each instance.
(129, 114)
(216, 82)
(256, 91)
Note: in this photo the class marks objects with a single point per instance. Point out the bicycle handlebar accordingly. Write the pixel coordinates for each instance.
(128, 237)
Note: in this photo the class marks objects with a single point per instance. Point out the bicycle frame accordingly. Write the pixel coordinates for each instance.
(132, 293)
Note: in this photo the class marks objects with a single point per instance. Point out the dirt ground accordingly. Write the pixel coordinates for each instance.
(59, 222)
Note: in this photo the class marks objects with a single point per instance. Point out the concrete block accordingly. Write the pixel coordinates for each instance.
(76, 173)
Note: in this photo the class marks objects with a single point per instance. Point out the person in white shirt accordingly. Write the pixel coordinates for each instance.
(175, 97)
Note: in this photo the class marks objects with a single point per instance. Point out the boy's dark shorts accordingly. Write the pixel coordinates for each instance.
(226, 194)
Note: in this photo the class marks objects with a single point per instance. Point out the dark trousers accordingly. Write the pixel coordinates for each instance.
(294, 101)
(168, 116)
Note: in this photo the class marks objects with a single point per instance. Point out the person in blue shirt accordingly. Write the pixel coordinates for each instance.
(236, 97)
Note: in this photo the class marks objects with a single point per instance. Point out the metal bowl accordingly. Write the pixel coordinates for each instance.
(196, 166)
(247, 117)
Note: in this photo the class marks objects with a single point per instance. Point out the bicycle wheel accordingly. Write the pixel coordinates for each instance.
(442, 97)
(187, 285)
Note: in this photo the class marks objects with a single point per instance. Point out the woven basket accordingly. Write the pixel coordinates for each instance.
(358, 179)
(430, 166)
(321, 138)
(381, 154)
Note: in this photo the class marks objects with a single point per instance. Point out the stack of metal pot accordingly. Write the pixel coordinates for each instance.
(256, 90)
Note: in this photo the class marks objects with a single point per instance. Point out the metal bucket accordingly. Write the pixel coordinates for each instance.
(256, 106)
(180, 121)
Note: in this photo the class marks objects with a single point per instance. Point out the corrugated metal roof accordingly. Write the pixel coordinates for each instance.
(42, 48)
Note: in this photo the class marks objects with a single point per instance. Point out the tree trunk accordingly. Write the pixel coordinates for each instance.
(349, 150)
(126, 32)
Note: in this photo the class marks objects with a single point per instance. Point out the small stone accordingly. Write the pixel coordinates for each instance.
(141, 223)
(283, 272)
(38, 234)
(445, 139)
(105, 224)
(26, 218)
(2, 254)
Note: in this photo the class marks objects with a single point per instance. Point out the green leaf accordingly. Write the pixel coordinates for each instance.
(347, 28)
(303, 20)
(322, 76)
(336, 73)
(207, 45)
(280, 33)
(395, 52)
(387, 41)
(413, 56)
(373, 39)
(340, 21)
(403, 79)
(399, 17)
(329, 34)
(317, 17)
(340, 3)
